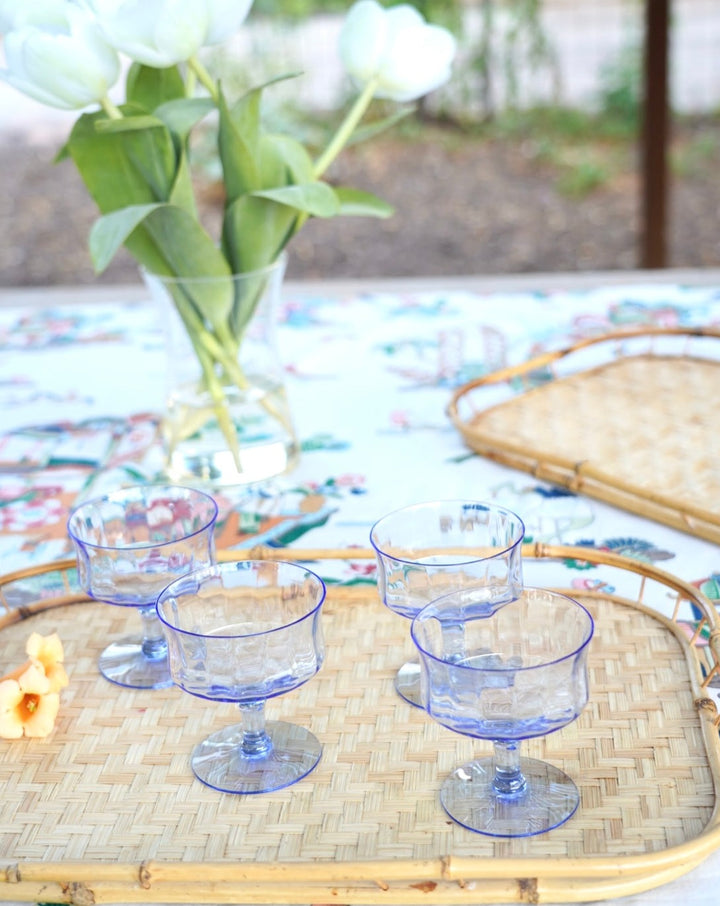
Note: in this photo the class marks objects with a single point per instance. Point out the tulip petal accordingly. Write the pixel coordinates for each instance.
(396, 47)
(60, 60)
(419, 63)
(225, 18)
(362, 39)
(180, 31)
(15, 14)
(157, 33)
(401, 18)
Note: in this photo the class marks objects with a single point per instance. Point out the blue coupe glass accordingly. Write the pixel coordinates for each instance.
(518, 673)
(246, 632)
(129, 545)
(428, 550)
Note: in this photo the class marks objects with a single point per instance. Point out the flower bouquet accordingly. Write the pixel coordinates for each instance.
(135, 159)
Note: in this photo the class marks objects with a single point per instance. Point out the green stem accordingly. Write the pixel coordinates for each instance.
(190, 82)
(110, 108)
(346, 128)
(223, 351)
(204, 77)
(189, 318)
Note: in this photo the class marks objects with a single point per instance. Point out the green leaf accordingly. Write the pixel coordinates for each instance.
(182, 193)
(355, 203)
(123, 168)
(171, 243)
(109, 233)
(275, 79)
(370, 130)
(283, 161)
(128, 124)
(315, 198)
(149, 87)
(255, 231)
(245, 117)
(181, 116)
(245, 112)
(240, 169)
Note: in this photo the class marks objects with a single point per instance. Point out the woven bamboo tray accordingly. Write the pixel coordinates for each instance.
(629, 418)
(107, 810)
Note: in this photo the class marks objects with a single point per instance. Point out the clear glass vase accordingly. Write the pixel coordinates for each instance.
(227, 420)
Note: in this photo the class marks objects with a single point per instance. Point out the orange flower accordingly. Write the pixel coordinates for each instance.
(29, 699)
(49, 651)
(27, 704)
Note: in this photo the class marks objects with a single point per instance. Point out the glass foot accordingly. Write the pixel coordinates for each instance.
(219, 762)
(125, 663)
(407, 683)
(550, 797)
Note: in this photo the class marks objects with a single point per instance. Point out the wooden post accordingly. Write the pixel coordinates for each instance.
(655, 135)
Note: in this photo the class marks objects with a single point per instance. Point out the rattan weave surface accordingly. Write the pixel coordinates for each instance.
(113, 783)
(639, 431)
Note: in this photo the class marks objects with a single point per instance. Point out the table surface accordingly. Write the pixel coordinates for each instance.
(370, 369)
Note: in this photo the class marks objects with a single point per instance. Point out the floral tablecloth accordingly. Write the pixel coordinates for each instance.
(369, 376)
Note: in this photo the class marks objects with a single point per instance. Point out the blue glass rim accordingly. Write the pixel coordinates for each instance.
(475, 504)
(117, 496)
(192, 579)
(424, 615)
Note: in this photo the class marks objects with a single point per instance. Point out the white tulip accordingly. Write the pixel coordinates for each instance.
(16, 13)
(224, 18)
(59, 57)
(397, 49)
(157, 33)
(162, 33)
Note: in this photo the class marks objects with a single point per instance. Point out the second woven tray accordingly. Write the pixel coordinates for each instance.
(629, 418)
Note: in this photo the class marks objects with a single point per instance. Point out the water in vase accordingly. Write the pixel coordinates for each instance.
(198, 450)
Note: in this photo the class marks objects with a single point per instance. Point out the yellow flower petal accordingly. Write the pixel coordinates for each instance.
(24, 709)
(40, 715)
(45, 648)
(11, 696)
(49, 651)
(33, 681)
(57, 677)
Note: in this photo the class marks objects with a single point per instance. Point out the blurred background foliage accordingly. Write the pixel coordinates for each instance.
(512, 80)
(507, 82)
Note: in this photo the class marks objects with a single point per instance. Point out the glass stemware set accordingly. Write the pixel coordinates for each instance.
(234, 632)
(498, 661)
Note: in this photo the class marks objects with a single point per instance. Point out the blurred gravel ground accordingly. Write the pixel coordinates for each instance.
(463, 207)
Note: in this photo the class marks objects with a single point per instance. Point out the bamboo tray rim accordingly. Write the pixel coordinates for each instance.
(528, 879)
(583, 475)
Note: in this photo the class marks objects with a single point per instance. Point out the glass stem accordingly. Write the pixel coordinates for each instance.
(454, 642)
(154, 646)
(255, 741)
(508, 779)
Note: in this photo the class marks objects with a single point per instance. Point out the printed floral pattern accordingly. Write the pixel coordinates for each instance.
(369, 376)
